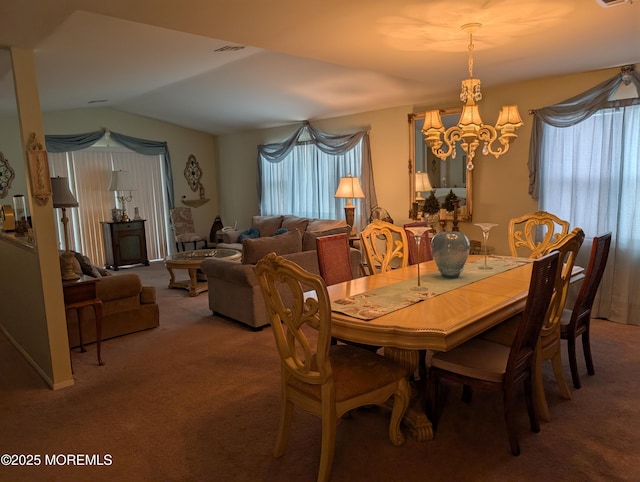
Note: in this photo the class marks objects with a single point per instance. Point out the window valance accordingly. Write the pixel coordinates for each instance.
(76, 142)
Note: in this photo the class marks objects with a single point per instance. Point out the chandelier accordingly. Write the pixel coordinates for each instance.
(470, 131)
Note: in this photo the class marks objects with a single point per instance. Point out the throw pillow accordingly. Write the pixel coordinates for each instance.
(87, 267)
(250, 233)
(76, 268)
(292, 222)
(309, 239)
(266, 225)
(253, 250)
(281, 231)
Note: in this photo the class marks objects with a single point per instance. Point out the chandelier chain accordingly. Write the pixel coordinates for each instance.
(470, 55)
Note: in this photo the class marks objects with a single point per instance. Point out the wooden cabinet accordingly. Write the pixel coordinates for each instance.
(124, 243)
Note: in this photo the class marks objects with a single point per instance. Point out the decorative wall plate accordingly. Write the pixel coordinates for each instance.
(6, 176)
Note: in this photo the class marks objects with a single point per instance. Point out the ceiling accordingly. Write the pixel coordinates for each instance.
(302, 60)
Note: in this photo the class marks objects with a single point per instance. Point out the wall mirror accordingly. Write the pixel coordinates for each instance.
(444, 176)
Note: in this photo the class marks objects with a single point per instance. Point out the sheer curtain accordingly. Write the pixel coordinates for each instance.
(589, 174)
(301, 174)
(89, 172)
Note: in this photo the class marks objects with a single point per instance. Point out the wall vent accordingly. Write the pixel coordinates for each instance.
(229, 48)
(612, 3)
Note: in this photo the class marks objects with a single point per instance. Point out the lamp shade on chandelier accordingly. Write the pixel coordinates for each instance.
(470, 130)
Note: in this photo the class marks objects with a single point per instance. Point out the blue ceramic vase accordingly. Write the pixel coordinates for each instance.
(450, 251)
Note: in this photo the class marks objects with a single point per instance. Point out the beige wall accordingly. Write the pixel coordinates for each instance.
(181, 141)
(500, 186)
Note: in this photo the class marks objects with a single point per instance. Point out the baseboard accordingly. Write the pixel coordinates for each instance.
(34, 365)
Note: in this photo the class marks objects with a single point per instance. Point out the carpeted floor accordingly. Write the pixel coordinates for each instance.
(197, 399)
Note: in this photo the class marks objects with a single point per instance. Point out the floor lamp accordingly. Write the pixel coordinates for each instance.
(62, 198)
(349, 188)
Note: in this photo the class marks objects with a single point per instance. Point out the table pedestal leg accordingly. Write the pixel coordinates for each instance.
(415, 418)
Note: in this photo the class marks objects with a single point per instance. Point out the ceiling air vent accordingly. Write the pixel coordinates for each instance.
(612, 3)
(229, 48)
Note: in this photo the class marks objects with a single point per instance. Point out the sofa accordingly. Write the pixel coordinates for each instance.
(127, 305)
(234, 291)
(268, 226)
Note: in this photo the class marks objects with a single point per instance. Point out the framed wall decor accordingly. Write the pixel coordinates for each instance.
(193, 175)
(7, 175)
(39, 171)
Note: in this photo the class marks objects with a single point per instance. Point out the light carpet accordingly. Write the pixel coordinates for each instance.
(197, 399)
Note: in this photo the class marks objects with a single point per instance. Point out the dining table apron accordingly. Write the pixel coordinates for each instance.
(439, 323)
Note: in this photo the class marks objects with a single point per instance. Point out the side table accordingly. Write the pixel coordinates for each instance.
(191, 261)
(124, 243)
(79, 294)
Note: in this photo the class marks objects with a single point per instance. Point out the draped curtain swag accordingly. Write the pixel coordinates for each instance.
(573, 111)
(329, 144)
(76, 142)
(586, 156)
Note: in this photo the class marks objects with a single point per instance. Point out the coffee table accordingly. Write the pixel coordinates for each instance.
(191, 261)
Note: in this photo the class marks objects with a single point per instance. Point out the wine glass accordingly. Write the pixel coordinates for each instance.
(486, 227)
(417, 232)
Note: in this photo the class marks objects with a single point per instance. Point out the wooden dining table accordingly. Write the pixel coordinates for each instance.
(438, 323)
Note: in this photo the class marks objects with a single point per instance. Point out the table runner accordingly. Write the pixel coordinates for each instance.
(380, 301)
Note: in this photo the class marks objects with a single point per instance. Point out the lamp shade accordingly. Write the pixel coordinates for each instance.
(120, 181)
(432, 120)
(509, 117)
(349, 187)
(422, 182)
(470, 117)
(62, 197)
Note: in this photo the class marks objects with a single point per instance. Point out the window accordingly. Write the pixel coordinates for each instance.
(300, 175)
(590, 176)
(89, 173)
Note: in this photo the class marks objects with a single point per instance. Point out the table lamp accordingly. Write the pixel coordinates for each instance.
(422, 185)
(121, 183)
(349, 188)
(62, 198)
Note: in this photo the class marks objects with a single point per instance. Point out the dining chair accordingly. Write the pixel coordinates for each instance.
(334, 258)
(385, 246)
(532, 233)
(575, 322)
(483, 364)
(184, 229)
(326, 380)
(424, 253)
(549, 346)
